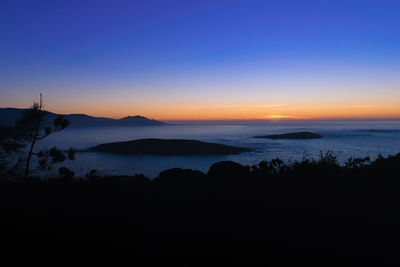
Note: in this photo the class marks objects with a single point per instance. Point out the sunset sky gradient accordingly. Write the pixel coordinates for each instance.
(190, 60)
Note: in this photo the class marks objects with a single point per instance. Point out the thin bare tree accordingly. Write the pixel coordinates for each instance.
(30, 126)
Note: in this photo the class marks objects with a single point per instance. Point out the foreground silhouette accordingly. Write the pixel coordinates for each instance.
(308, 212)
(25, 132)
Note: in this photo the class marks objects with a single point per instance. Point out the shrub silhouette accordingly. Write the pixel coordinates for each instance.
(227, 174)
(182, 179)
(66, 174)
(92, 176)
(308, 212)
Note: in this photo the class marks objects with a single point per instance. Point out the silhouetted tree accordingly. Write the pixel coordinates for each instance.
(30, 125)
(28, 129)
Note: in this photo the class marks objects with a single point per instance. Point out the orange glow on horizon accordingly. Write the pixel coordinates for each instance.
(243, 111)
(272, 117)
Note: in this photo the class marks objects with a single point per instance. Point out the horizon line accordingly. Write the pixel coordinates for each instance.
(267, 118)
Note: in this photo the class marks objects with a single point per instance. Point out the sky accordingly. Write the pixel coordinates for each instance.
(206, 59)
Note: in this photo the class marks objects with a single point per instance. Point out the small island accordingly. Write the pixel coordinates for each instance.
(297, 135)
(153, 146)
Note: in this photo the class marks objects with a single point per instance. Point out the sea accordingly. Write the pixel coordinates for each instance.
(344, 139)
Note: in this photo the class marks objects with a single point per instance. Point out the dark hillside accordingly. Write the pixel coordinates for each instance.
(306, 213)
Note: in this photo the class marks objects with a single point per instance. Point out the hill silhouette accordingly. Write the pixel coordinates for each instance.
(9, 115)
(296, 135)
(304, 213)
(167, 147)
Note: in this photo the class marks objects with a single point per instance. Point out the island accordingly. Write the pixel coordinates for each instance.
(151, 146)
(296, 135)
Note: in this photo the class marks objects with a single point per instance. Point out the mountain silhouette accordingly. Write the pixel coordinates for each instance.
(8, 116)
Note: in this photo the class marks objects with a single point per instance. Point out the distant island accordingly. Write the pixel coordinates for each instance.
(8, 116)
(296, 135)
(167, 147)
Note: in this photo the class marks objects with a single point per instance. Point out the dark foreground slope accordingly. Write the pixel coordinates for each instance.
(167, 147)
(306, 213)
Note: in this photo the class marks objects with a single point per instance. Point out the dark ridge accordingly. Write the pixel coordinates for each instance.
(137, 117)
(140, 120)
(307, 213)
(297, 135)
(8, 116)
(167, 147)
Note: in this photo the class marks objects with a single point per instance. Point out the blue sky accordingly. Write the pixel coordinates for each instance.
(193, 59)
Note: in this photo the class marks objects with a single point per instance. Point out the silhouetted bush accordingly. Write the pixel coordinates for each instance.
(184, 179)
(227, 174)
(357, 162)
(66, 174)
(313, 212)
(92, 176)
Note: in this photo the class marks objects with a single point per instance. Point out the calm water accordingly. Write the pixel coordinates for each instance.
(345, 139)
